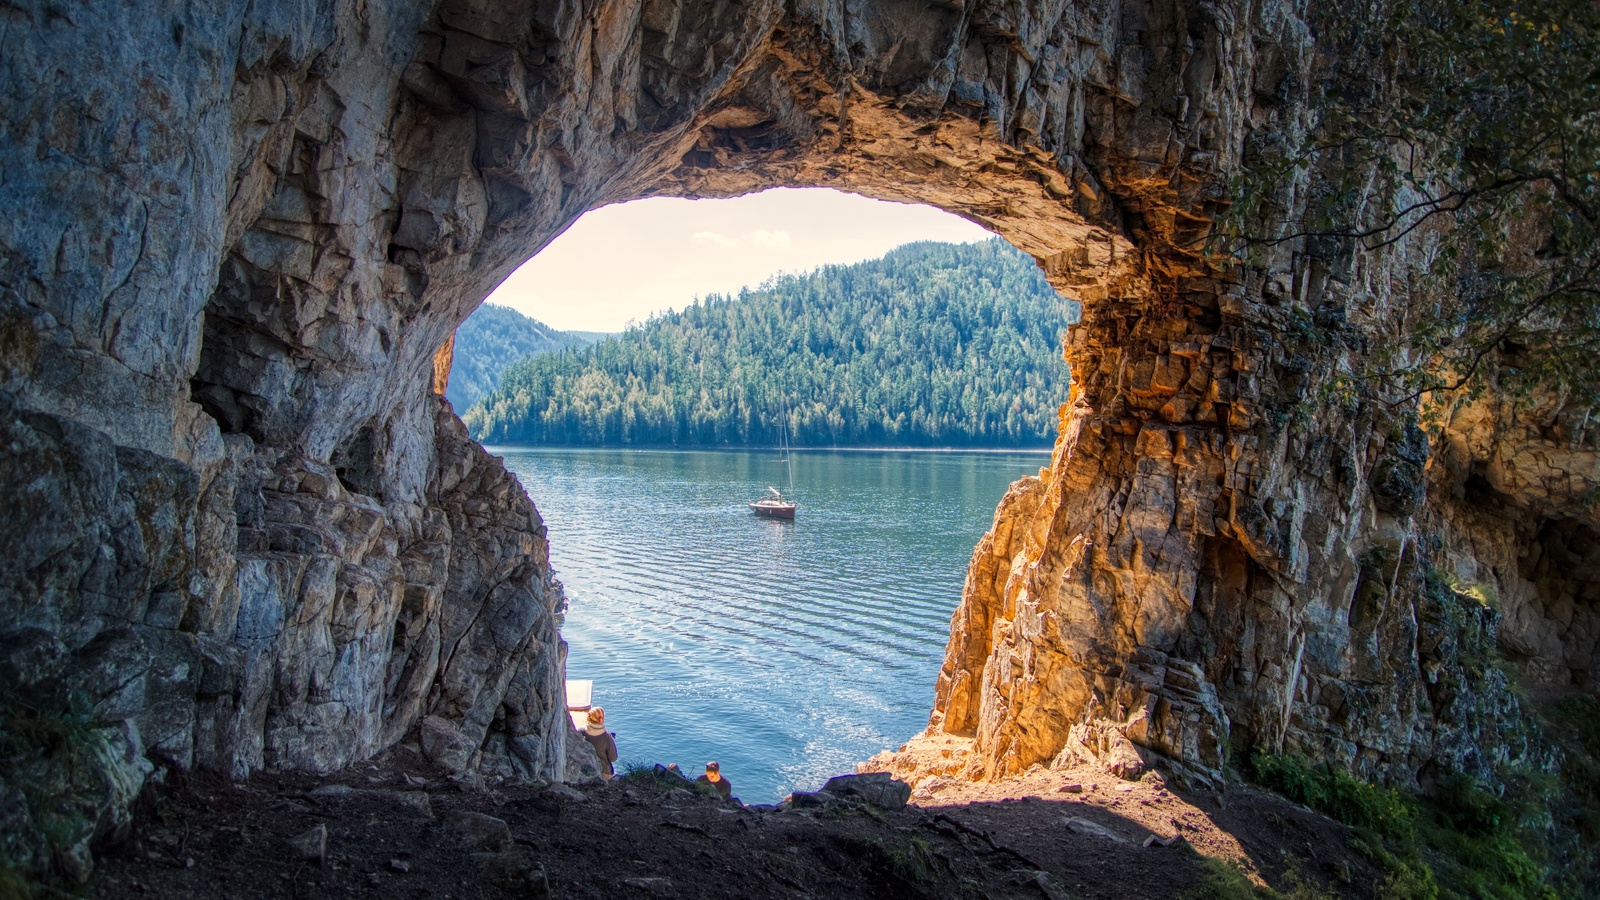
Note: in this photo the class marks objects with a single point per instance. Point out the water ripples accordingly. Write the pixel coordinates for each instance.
(787, 651)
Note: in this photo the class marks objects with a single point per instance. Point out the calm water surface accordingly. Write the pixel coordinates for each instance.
(786, 651)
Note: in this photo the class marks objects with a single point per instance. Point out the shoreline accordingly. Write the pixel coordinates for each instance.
(498, 449)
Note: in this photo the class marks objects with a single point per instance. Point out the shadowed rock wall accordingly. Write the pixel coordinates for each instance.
(247, 534)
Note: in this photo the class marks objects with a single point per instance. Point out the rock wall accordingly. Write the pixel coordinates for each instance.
(247, 534)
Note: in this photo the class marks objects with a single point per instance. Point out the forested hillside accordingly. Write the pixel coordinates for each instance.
(493, 338)
(932, 345)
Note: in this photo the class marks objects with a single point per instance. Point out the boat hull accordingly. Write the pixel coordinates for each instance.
(773, 510)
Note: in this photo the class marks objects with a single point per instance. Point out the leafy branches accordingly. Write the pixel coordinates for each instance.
(1471, 129)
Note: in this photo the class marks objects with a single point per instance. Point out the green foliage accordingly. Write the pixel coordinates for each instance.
(659, 779)
(1461, 842)
(1479, 122)
(651, 776)
(1482, 592)
(912, 861)
(1353, 802)
(1220, 879)
(1463, 623)
(493, 338)
(1405, 882)
(934, 344)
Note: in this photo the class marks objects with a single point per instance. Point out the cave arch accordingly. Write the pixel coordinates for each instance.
(509, 122)
(215, 281)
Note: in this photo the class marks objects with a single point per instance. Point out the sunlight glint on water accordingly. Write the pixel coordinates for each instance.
(787, 652)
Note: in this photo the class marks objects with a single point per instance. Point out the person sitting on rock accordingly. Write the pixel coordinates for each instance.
(715, 780)
(604, 742)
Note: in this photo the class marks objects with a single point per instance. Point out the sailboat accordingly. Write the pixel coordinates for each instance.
(773, 505)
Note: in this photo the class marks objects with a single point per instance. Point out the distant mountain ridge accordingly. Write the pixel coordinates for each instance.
(931, 345)
(491, 339)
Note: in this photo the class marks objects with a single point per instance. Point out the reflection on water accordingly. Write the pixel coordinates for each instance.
(788, 651)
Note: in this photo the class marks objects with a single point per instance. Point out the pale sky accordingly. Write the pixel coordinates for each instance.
(626, 261)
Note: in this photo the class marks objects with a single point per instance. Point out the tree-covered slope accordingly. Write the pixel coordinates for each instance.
(493, 338)
(932, 345)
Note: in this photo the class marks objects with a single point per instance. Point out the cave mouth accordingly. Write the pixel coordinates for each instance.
(319, 351)
(817, 641)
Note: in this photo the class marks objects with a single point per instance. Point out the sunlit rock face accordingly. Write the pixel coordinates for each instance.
(244, 531)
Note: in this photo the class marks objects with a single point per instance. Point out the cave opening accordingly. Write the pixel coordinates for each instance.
(817, 642)
(320, 341)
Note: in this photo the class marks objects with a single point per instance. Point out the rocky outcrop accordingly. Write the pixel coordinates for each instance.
(357, 626)
(878, 789)
(243, 525)
(958, 694)
(331, 627)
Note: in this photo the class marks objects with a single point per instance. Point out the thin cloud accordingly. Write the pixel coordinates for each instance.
(772, 240)
(711, 237)
(766, 239)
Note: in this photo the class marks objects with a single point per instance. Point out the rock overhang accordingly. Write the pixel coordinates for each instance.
(243, 266)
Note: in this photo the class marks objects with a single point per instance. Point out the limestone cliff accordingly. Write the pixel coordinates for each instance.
(243, 532)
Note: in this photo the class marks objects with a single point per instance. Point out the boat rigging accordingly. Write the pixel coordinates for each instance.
(774, 505)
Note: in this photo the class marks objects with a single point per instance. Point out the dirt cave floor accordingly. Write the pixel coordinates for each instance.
(398, 828)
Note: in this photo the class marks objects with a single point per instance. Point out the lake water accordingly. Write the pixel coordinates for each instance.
(787, 651)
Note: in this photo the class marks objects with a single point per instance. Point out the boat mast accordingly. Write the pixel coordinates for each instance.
(783, 435)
